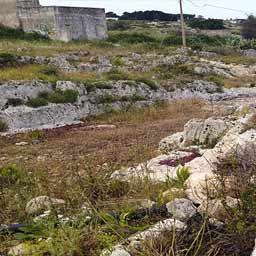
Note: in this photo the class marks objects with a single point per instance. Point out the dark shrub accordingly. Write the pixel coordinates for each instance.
(206, 24)
(116, 75)
(148, 82)
(92, 85)
(3, 126)
(7, 60)
(67, 96)
(118, 25)
(37, 102)
(249, 28)
(49, 71)
(12, 33)
(15, 102)
(131, 38)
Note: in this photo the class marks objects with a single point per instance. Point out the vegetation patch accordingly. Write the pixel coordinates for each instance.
(3, 126)
(92, 85)
(246, 81)
(18, 34)
(212, 24)
(58, 97)
(131, 38)
(118, 75)
(106, 99)
(15, 102)
(7, 60)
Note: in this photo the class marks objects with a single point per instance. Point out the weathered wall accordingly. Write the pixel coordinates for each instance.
(80, 23)
(218, 32)
(27, 3)
(63, 23)
(40, 19)
(8, 13)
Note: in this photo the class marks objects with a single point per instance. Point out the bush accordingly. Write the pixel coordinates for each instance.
(3, 126)
(67, 96)
(195, 42)
(7, 60)
(116, 75)
(148, 82)
(37, 102)
(118, 25)
(10, 175)
(49, 71)
(117, 61)
(58, 97)
(206, 24)
(92, 85)
(249, 28)
(131, 38)
(12, 33)
(15, 102)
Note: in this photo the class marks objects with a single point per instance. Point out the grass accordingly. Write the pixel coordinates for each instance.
(238, 59)
(201, 237)
(245, 81)
(131, 77)
(14, 34)
(75, 163)
(28, 72)
(57, 96)
(7, 59)
(76, 166)
(42, 72)
(3, 126)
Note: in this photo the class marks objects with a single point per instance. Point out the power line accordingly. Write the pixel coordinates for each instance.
(218, 7)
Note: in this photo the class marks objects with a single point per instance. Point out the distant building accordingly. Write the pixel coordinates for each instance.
(238, 21)
(61, 23)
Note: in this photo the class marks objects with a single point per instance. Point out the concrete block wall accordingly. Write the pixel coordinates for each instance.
(62, 23)
(8, 13)
(41, 20)
(28, 4)
(80, 23)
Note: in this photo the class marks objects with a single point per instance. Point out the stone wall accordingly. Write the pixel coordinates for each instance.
(218, 32)
(40, 19)
(28, 4)
(80, 23)
(8, 13)
(62, 23)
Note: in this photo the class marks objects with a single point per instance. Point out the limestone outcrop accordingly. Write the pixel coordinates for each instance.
(214, 140)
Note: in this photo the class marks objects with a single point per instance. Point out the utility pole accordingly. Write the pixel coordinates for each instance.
(182, 25)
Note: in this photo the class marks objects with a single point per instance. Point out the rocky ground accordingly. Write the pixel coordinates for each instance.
(116, 150)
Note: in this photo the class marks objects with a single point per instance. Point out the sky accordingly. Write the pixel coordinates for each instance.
(240, 8)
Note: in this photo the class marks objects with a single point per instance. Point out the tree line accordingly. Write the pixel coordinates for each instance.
(149, 16)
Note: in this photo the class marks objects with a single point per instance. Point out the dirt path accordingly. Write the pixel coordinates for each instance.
(132, 141)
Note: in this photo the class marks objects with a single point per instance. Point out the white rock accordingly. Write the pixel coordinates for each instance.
(170, 143)
(254, 250)
(17, 250)
(181, 209)
(116, 251)
(146, 203)
(22, 143)
(204, 132)
(217, 209)
(202, 169)
(153, 169)
(43, 203)
(155, 231)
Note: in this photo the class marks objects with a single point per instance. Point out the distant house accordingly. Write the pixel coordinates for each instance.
(238, 21)
(61, 23)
